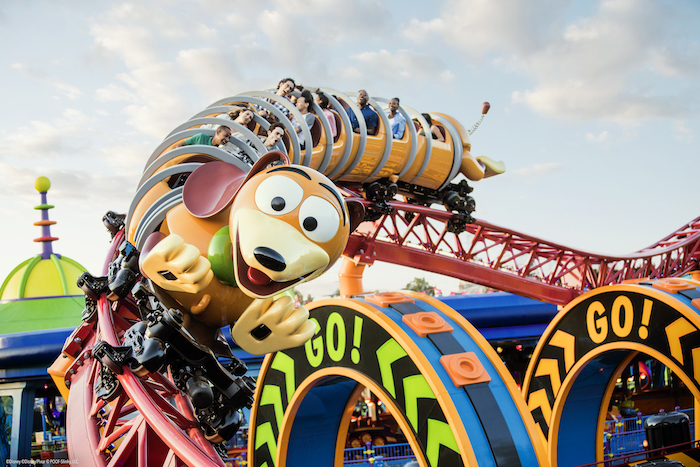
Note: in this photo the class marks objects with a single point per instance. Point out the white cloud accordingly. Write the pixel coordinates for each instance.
(402, 65)
(68, 90)
(478, 27)
(602, 137)
(211, 69)
(66, 136)
(133, 34)
(626, 61)
(114, 93)
(537, 169)
(682, 133)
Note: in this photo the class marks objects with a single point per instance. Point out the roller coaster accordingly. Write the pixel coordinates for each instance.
(446, 387)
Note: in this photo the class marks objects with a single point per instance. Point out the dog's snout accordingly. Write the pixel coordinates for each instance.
(269, 258)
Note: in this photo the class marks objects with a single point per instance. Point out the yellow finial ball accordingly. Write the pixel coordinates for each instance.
(42, 184)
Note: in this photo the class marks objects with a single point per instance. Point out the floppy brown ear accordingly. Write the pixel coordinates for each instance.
(265, 160)
(211, 187)
(357, 212)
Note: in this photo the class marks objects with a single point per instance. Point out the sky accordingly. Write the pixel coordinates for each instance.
(594, 105)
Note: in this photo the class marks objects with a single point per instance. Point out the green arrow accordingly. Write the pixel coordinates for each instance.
(272, 395)
(439, 433)
(387, 354)
(415, 387)
(285, 364)
(264, 435)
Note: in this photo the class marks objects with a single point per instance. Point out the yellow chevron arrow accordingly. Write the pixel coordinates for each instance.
(272, 395)
(264, 435)
(285, 364)
(439, 433)
(567, 342)
(674, 331)
(415, 387)
(550, 367)
(539, 399)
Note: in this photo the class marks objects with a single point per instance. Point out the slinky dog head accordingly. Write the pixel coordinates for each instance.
(288, 223)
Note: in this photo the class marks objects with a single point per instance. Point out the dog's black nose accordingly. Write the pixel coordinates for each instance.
(269, 258)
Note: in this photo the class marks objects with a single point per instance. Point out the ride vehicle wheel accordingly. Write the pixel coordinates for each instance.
(144, 421)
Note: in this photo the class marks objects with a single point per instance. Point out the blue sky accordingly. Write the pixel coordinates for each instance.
(594, 105)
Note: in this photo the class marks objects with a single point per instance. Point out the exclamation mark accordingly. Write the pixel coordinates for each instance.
(646, 317)
(356, 340)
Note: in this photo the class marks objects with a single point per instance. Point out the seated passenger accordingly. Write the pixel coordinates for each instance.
(323, 102)
(274, 135)
(242, 116)
(292, 97)
(397, 122)
(304, 106)
(284, 88)
(434, 130)
(367, 112)
(220, 138)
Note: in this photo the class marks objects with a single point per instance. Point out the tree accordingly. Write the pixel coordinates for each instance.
(419, 284)
(300, 296)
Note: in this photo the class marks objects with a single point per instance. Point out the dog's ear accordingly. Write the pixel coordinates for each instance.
(265, 160)
(357, 212)
(212, 187)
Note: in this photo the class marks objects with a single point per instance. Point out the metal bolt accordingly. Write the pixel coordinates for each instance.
(67, 383)
(72, 371)
(77, 340)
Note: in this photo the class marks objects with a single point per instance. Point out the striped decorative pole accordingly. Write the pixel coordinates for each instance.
(42, 185)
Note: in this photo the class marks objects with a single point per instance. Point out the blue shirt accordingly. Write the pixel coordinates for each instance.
(369, 115)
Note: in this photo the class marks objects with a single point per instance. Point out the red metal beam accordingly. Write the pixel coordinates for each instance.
(508, 260)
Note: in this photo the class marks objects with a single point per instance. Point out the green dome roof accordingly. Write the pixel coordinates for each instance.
(37, 277)
(41, 293)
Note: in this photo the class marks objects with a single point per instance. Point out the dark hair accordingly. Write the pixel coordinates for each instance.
(222, 128)
(427, 118)
(273, 126)
(323, 98)
(398, 101)
(308, 97)
(299, 87)
(284, 80)
(235, 113)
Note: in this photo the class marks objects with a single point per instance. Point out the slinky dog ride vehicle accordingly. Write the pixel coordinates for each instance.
(210, 240)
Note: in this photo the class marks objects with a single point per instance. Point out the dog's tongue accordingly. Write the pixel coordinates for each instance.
(257, 277)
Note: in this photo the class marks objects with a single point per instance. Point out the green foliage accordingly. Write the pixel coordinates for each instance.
(419, 284)
(300, 297)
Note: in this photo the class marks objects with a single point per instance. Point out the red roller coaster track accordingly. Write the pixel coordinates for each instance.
(490, 255)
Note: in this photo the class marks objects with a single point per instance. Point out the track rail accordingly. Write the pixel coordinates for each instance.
(494, 256)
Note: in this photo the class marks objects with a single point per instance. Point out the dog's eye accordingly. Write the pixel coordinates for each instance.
(278, 195)
(319, 219)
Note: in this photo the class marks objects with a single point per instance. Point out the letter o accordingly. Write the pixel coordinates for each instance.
(622, 330)
(336, 352)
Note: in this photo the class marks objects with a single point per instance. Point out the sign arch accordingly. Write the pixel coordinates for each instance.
(571, 374)
(396, 344)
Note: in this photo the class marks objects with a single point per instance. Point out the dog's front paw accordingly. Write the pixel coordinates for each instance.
(267, 326)
(177, 266)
